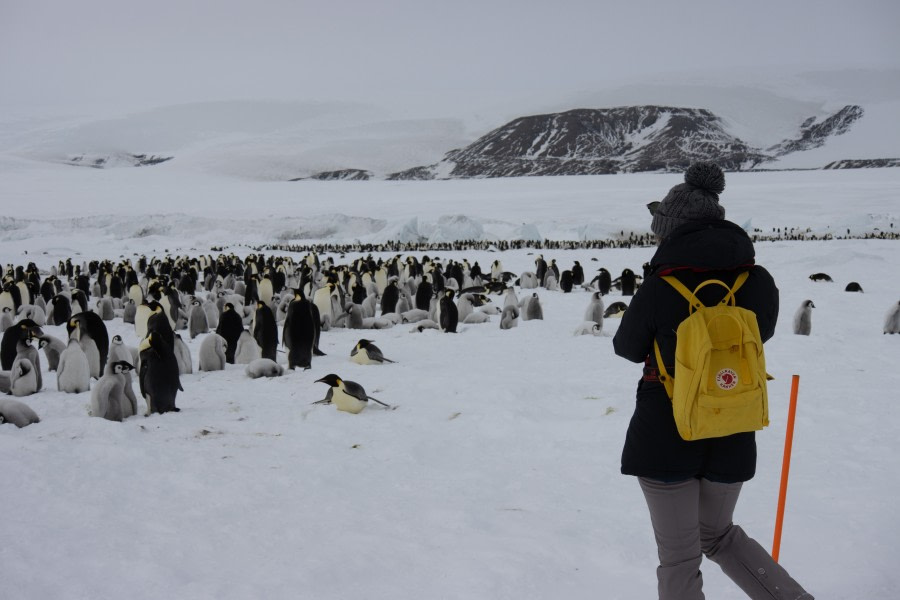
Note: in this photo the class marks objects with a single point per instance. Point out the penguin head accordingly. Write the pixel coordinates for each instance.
(809, 303)
(228, 306)
(363, 344)
(117, 339)
(331, 379)
(43, 342)
(122, 366)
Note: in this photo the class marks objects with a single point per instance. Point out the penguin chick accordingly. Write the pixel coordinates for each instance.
(348, 396)
(53, 347)
(17, 413)
(263, 367)
(588, 328)
(803, 318)
(510, 316)
(108, 398)
(365, 352)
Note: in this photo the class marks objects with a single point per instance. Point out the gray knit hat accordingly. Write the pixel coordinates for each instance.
(697, 199)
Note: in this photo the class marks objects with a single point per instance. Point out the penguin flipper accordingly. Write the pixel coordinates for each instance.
(388, 406)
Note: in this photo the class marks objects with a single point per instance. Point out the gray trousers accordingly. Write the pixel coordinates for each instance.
(693, 517)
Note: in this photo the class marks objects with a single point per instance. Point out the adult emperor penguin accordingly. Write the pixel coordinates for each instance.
(347, 396)
(595, 310)
(322, 300)
(803, 318)
(389, 297)
(93, 325)
(604, 281)
(566, 281)
(159, 380)
(73, 374)
(212, 353)
(365, 352)
(615, 310)
(577, 273)
(53, 347)
(449, 314)
(299, 331)
(265, 331)
(17, 413)
(628, 282)
(892, 320)
(109, 398)
(23, 329)
(62, 309)
(230, 327)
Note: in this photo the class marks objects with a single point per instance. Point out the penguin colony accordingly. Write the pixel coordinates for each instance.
(251, 310)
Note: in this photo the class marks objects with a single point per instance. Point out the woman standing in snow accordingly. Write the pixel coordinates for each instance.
(692, 487)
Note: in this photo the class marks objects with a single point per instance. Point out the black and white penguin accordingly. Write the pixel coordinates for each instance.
(347, 396)
(577, 274)
(803, 318)
(389, 297)
(87, 343)
(158, 378)
(263, 367)
(892, 319)
(73, 374)
(628, 282)
(820, 277)
(212, 353)
(17, 413)
(604, 281)
(265, 331)
(93, 325)
(21, 330)
(615, 310)
(566, 281)
(449, 314)
(61, 311)
(109, 399)
(365, 352)
(299, 332)
(230, 327)
(853, 286)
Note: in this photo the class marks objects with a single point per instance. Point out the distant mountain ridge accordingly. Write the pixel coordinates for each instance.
(619, 140)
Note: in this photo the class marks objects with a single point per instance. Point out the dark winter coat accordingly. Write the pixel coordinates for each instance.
(693, 253)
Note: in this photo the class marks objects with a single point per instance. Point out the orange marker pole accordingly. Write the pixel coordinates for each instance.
(785, 466)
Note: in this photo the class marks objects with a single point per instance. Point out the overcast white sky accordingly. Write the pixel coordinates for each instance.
(119, 52)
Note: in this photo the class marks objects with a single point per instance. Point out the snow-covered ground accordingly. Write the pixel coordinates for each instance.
(497, 477)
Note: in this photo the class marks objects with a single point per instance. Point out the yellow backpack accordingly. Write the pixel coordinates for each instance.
(719, 385)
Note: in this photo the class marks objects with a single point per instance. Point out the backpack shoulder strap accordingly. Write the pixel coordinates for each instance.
(683, 290)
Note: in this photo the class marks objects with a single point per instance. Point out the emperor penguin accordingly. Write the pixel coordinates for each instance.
(25, 350)
(119, 351)
(322, 300)
(230, 327)
(183, 356)
(604, 281)
(892, 319)
(577, 274)
(449, 314)
(212, 313)
(197, 319)
(92, 326)
(53, 348)
(803, 318)
(263, 367)
(105, 308)
(212, 353)
(300, 331)
(6, 318)
(17, 413)
(109, 398)
(247, 349)
(265, 331)
(389, 297)
(509, 318)
(853, 286)
(615, 310)
(365, 352)
(158, 378)
(347, 396)
(595, 310)
(73, 374)
(61, 310)
(23, 378)
(528, 280)
(21, 330)
(628, 282)
(566, 281)
(532, 308)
